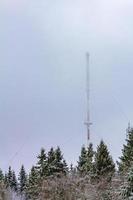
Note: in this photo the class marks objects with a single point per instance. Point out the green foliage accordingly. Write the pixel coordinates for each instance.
(59, 164)
(14, 182)
(127, 153)
(10, 180)
(1, 176)
(42, 164)
(22, 180)
(56, 163)
(51, 161)
(9, 177)
(33, 184)
(6, 182)
(52, 166)
(124, 193)
(89, 158)
(85, 163)
(103, 162)
(82, 161)
(127, 188)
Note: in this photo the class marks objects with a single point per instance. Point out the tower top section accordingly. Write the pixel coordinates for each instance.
(88, 123)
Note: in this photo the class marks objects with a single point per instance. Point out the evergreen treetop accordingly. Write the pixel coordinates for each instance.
(59, 165)
(51, 161)
(33, 184)
(89, 158)
(14, 182)
(85, 163)
(22, 180)
(10, 177)
(6, 182)
(42, 164)
(126, 159)
(42, 157)
(1, 175)
(82, 161)
(103, 162)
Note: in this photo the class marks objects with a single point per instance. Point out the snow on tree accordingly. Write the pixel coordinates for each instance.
(82, 161)
(10, 177)
(59, 163)
(127, 153)
(126, 191)
(32, 191)
(22, 180)
(85, 163)
(42, 164)
(103, 162)
(1, 176)
(6, 180)
(14, 182)
(89, 158)
(51, 161)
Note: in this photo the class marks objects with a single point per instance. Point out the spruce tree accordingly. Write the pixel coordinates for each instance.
(126, 191)
(130, 182)
(1, 176)
(85, 163)
(10, 177)
(22, 180)
(42, 164)
(89, 159)
(59, 165)
(127, 153)
(33, 184)
(82, 161)
(51, 161)
(56, 164)
(6, 182)
(103, 162)
(14, 182)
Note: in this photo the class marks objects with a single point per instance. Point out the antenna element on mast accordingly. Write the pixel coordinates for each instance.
(88, 123)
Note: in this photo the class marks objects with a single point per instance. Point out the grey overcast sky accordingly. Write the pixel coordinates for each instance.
(42, 76)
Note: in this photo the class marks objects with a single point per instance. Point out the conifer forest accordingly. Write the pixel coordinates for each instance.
(95, 177)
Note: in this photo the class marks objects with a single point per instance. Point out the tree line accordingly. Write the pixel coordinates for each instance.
(97, 165)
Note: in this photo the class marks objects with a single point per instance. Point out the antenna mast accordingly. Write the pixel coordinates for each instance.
(88, 123)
